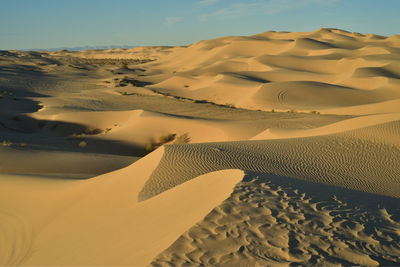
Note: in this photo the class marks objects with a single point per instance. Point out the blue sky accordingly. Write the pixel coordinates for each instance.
(26, 24)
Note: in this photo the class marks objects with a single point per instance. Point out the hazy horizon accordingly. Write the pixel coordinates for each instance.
(77, 48)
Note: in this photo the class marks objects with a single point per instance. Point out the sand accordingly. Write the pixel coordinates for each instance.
(274, 149)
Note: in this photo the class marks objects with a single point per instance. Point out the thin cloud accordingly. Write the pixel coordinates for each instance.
(207, 2)
(233, 11)
(266, 6)
(172, 20)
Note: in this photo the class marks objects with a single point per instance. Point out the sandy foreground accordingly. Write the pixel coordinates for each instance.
(278, 148)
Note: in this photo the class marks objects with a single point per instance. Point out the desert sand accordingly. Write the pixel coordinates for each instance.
(279, 148)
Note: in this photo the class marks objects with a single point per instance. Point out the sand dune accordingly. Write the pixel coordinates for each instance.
(354, 66)
(102, 204)
(374, 121)
(331, 159)
(274, 149)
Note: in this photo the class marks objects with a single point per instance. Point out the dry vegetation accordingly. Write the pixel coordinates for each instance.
(124, 63)
(165, 139)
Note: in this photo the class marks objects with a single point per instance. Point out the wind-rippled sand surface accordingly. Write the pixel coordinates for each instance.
(278, 148)
(339, 159)
(277, 220)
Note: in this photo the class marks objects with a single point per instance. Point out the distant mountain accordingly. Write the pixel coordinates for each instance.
(78, 48)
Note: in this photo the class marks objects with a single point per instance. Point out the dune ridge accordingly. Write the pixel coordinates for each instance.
(330, 159)
(324, 69)
(112, 195)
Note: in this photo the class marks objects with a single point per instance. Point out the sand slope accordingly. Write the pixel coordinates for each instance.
(355, 159)
(318, 70)
(76, 226)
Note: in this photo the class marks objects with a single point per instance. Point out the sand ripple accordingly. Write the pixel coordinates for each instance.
(352, 160)
(15, 239)
(277, 220)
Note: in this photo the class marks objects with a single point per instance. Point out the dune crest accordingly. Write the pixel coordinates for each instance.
(284, 69)
(339, 127)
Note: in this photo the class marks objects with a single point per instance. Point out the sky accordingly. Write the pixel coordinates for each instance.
(32, 24)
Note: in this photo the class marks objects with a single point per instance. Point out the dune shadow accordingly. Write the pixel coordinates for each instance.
(50, 135)
(136, 83)
(244, 76)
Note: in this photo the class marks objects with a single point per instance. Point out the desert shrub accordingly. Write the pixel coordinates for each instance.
(199, 101)
(82, 144)
(106, 130)
(125, 65)
(314, 112)
(273, 110)
(152, 144)
(182, 139)
(166, 138)
(79, 136)
(93, 131)
(123, 93)
(6, 143)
